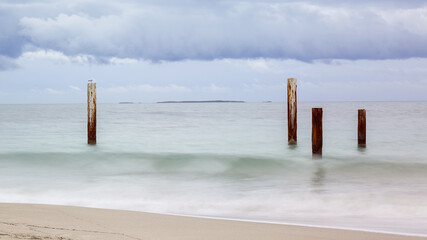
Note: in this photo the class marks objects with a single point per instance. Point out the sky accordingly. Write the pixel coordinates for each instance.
(163, 50)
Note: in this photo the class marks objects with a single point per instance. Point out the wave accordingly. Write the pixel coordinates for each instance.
(142, 163)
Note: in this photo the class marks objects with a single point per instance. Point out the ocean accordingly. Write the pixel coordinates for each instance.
(223, 160)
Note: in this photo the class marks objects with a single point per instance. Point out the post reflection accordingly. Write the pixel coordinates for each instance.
(318, 179)
(361, 148)
(292, 146)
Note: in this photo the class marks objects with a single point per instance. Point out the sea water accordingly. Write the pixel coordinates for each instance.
(225, 160)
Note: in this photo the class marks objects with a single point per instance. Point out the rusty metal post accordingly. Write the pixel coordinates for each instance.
(361, 128)
(317, 132)
(292, 110)
(91, 112)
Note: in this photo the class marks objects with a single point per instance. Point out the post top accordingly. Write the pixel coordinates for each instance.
(292, 82)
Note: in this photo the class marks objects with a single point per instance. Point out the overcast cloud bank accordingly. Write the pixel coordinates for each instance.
(204, 30)
(237, 50)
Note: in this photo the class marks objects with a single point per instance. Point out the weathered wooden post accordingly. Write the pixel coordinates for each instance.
(361, 128)
(317, 134)
(91, 112)
(292, 110)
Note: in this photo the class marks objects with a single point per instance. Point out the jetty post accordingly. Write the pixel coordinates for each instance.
(317, 131)
(292, 110)
(361, 128)
(91, 112)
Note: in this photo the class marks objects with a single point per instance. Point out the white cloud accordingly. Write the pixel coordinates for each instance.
(57, 57)
(164, 89)
(412, 20)
(46, 54)
(264, 87)
(123, 61)
(214, 88)
(60, 57)
(118, 89)
(74, 88)
(258, 65)
(148, 88)
(53, 91)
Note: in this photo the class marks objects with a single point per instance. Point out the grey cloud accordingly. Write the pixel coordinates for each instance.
(11, 41)
(7, 63)
(208, 30)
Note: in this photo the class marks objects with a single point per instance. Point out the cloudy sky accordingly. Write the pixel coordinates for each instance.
(156, 50)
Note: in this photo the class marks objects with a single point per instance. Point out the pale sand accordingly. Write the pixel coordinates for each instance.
(29, 221)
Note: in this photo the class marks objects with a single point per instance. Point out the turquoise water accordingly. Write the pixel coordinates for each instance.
(228, 160)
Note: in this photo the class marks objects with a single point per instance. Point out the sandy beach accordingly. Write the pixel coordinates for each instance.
(32, 221)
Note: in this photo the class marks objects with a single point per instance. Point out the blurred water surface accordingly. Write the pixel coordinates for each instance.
(226, 160)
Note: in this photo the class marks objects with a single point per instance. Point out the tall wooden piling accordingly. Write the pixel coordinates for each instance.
(91, 112)
(317, 131)
(292, 110)
(361, 128)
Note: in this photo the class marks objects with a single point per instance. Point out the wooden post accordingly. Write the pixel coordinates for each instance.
(361, 128)
(317, 134)
(91, 112)
(292, 110)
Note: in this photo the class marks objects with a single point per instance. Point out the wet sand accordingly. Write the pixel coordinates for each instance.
(32, 221)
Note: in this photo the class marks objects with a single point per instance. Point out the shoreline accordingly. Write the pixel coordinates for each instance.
(68, 222)
(326, 226)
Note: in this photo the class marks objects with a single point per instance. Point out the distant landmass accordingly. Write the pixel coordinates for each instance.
(126, 102)
(210, 101)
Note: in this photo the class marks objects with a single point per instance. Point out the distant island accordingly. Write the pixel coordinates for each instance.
(210, 101)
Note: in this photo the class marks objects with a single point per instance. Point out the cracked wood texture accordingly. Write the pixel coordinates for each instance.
(91, 113)
(292, 110)
(361, 128)
(317, 131)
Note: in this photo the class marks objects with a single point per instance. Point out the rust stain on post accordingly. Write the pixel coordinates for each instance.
(292, 110)
(361, 128)
(91, 112)
(317, 131)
